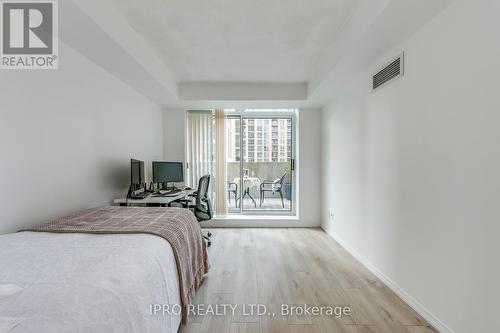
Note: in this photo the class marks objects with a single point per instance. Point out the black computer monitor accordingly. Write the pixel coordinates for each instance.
(166, 172)
(136, 173)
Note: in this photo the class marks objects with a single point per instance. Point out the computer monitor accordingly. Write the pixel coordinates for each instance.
(165, 172)
(136, 173)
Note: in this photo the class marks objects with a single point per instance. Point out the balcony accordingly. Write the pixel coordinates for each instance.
(256, 174)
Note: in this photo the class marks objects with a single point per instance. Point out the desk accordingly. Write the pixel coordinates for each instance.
(152, 200)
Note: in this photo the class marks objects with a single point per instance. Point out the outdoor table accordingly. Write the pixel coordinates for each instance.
(248, 182)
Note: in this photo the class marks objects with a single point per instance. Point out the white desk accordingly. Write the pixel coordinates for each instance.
(152, 200)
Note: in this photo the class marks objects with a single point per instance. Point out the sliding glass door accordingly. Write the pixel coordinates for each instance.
(260, 162)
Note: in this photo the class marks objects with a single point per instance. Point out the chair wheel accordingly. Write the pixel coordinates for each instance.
(209, 234)
(209, 243)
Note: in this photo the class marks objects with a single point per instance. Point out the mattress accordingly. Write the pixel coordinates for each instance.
(86, 283)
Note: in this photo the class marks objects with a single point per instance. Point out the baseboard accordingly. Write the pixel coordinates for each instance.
(413, 303)
(256, 221)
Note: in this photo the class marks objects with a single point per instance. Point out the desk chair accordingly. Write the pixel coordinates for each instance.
(202, 209)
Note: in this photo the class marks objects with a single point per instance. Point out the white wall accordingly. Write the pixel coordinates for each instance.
(309, 153)
(66, 138)
(174, 135)
(412, 171)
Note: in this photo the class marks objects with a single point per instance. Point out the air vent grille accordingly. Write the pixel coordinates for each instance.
(393, 70)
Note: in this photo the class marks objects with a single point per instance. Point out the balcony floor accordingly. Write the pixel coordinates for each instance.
(270, 204)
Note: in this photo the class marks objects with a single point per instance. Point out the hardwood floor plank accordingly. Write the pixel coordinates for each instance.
(245, 328)
(246, 277)
(394, 306)
(303, 329)
(217, 323)
(191, 328)
(419, 329)
(295, 267)
(272, 279)
(367, 329)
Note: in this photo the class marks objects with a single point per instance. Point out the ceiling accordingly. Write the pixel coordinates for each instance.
(238, 40)
(235, 53)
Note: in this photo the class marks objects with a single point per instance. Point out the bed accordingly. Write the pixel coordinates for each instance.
(91, 281)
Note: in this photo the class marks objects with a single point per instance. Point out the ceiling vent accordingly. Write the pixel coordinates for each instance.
(392, 71)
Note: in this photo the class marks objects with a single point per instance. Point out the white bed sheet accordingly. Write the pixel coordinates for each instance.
(86, 283)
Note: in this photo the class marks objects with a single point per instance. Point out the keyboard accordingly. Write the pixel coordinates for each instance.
(170, 193)
(173, 193)
(139, 196)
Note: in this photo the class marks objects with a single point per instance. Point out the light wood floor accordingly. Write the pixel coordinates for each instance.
(295, 266)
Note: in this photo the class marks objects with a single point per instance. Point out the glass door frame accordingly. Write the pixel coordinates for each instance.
(271, 114)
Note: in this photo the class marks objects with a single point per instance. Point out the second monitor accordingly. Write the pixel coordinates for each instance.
(168, 172)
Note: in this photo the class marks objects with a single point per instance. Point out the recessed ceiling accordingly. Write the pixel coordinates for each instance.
(238, 40)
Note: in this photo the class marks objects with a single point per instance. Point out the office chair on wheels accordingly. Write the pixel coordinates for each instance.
(202, 209)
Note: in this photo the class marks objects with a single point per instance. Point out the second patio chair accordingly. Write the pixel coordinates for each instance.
(273, 186)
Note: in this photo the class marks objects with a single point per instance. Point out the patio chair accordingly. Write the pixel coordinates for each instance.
(273, 186)
(232, 188)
